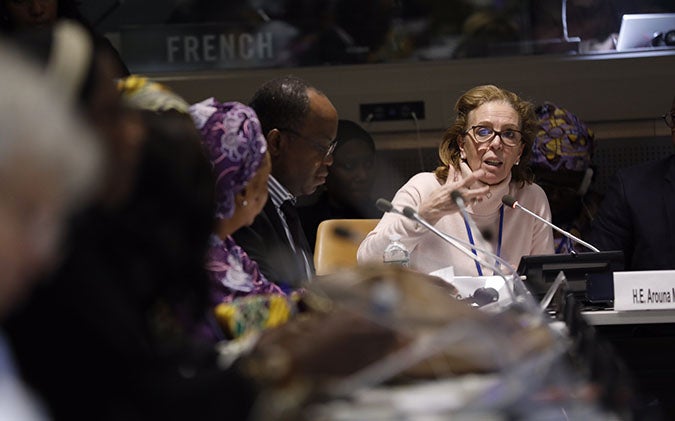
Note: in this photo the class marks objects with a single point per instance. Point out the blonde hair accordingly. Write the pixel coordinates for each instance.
(448, 150)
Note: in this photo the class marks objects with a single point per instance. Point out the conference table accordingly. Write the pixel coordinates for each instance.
(610, 317)
(596, 360)
(643, 340)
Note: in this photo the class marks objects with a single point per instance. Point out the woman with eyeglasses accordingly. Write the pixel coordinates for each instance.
(484, 156)
(637, 214)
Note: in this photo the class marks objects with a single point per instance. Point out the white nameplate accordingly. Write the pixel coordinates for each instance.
(644, 290)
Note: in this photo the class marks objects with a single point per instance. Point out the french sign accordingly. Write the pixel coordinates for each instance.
(197, 47)
(644, 290)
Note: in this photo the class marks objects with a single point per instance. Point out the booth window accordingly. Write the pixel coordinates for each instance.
(193, 35)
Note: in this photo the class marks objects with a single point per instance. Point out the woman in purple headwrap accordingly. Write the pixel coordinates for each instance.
(234, 143)
(561, 160)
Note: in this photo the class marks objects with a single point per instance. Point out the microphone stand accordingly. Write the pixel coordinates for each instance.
(426, 346)
(510, 201)
(459, 201)
(386, 206)
(411, 214)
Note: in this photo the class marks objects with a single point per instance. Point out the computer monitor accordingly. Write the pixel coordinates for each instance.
(638, 30)
(589, 275)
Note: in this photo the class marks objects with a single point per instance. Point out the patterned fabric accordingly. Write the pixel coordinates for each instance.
(255, 313)
(143, 94)
(563, 141)
(234, 143)
(233, 274)
(564, 245)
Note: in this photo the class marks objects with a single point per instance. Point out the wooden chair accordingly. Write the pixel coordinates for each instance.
(337, 241)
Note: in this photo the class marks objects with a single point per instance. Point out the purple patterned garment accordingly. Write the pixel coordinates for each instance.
(233, 274)
(234, 142)
(563, 141)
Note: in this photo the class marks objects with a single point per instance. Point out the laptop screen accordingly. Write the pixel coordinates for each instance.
(638, 30)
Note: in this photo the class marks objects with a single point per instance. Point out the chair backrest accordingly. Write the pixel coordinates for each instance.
(337, 241)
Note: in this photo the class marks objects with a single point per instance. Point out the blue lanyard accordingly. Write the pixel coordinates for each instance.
(499, 240)
(565, 245)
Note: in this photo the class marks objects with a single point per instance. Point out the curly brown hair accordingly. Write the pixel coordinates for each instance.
(448, 150)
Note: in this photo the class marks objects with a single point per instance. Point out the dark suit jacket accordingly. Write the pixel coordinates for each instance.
(638, 216)
(265, 242)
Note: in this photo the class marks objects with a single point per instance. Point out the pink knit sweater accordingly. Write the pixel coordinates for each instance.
(521, 233)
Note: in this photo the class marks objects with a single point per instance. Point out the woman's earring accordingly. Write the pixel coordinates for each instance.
(517, 162)
(462, 155)
(244, 203)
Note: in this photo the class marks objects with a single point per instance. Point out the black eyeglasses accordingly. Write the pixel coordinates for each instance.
(668, 119)
(325, 150)
(482, 134)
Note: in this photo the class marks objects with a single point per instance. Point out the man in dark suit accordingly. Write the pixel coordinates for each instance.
(300, 125)
(638, 213)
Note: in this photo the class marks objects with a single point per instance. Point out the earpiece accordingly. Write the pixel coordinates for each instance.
(585, 182)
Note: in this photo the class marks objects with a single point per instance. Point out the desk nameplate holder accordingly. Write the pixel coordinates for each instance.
(644, 290)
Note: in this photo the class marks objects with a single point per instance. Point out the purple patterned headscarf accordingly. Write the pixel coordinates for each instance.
(563, 141)
(233, 140)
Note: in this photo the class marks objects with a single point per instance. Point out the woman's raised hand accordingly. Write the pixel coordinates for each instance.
(440, 202)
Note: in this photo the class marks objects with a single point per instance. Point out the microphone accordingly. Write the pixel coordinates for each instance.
(457, 198)
(459, 201)
(385, 206)
(482, 296)
(408, 212)
(459, 245)
(511, 201)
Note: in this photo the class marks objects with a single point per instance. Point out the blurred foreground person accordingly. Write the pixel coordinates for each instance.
(47, 171)
(110, 313)
(84, 73)
(485, 155)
